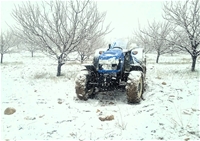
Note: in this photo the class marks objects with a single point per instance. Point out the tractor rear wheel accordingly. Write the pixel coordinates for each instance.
(83, 89)
(134, 87)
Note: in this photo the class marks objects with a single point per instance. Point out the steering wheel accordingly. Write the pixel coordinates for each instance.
(118, 47)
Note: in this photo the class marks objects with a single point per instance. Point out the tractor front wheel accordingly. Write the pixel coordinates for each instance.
(134, 87)
(83, 89)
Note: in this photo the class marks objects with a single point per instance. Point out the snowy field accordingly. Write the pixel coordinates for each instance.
(47, 107)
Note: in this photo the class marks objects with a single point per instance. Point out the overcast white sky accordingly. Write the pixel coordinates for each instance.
(124, 16)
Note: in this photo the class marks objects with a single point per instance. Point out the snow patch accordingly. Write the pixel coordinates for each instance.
(169, 112)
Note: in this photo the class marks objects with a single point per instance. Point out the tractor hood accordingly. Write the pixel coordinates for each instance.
(110, 61)
(112, 53)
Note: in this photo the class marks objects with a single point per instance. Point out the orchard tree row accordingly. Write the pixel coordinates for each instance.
(179, 32)
(58, 28)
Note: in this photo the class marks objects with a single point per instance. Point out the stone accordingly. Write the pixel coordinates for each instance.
(9, 111)
(107, 118)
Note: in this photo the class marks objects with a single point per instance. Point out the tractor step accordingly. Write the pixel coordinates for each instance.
(93, 83)
(122, 83)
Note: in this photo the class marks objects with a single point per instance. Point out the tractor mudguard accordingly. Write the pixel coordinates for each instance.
(137, 67)
(90, 67)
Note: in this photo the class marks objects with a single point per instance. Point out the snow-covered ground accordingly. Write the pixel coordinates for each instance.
(47, 107)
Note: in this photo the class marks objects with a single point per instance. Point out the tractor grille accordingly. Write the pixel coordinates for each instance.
(109, 64)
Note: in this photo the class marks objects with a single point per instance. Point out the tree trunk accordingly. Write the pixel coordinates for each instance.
(59, 69)
(1, 58)
(157, 59)
(194, 58)
(81, 60)
(31, 53)
(60, 63)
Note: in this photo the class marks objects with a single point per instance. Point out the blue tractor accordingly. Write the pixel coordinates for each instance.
(114, 68)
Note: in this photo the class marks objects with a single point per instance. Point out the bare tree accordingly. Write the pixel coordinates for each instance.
(88, 47)
(154, 37)
(142, 40)
(31, 47)
(186, 16)
(27, 43)
(8, 40)
(59, 26)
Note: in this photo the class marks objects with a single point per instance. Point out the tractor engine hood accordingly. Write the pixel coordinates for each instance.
(113, 53)
(110, 61)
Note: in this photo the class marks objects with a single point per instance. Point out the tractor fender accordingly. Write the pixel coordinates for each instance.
(137, 67)
(90, 68)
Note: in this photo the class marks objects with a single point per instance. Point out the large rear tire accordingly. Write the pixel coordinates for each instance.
(134, 87)
(83, 89)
